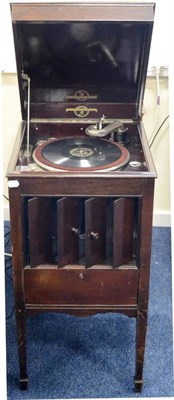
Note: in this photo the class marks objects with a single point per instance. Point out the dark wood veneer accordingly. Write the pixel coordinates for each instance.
(81, 241)
(81, 287)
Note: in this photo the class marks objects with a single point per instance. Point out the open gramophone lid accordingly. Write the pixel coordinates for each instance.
(80, 154)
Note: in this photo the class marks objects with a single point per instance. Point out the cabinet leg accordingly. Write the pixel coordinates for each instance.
(23, 383)
(143, 259)
(17, 235)
(138, 384)
(140, 349)
(21, 336)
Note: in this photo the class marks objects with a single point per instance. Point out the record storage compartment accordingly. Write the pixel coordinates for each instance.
(85, 245)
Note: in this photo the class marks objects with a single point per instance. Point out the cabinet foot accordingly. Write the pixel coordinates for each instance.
(138, 384)
(23, 383)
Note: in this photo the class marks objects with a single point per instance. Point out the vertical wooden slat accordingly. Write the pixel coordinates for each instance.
(40, 230)
(95, 243)
(123, 228)
(68, 230)
(109, 231)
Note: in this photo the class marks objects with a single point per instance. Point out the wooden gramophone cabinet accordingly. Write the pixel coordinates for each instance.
(81, 238)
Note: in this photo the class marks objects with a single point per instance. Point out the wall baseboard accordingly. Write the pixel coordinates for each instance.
(160, 217)
(6, 213)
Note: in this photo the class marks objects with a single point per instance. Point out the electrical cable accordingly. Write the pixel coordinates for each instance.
(6, 268)
(8, 256)
(157, 70)
(5, 197)
(154, 69)
(11, 279)
(7, 259)
(8, 230)
(8, 274)
(7, 242)
(165, 119)
(10, 315)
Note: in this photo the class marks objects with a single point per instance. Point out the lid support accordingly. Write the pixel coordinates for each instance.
(27, 78)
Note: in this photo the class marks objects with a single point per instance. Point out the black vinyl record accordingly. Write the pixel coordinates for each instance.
(81, 154)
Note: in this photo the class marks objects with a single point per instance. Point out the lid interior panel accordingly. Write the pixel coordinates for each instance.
(83, 62)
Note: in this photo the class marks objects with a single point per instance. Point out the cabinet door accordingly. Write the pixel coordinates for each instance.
(68, 228)
(95, 222)
(123, 231)
(40, 230)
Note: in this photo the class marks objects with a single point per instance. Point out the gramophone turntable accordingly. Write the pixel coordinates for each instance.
(81, 176)
(84, 154)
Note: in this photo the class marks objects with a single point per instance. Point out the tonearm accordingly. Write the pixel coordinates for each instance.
(98, 131)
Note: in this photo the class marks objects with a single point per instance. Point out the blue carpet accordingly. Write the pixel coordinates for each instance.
(94, 357)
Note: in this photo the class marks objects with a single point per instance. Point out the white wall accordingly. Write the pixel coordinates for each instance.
(153, 117)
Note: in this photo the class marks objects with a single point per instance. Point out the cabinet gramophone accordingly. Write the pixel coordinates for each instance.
(81, 176)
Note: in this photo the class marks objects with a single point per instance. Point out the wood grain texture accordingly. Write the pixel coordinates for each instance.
(81, 287)
(68, 218)
(123, 231)
(40, 230)
(95, 241)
